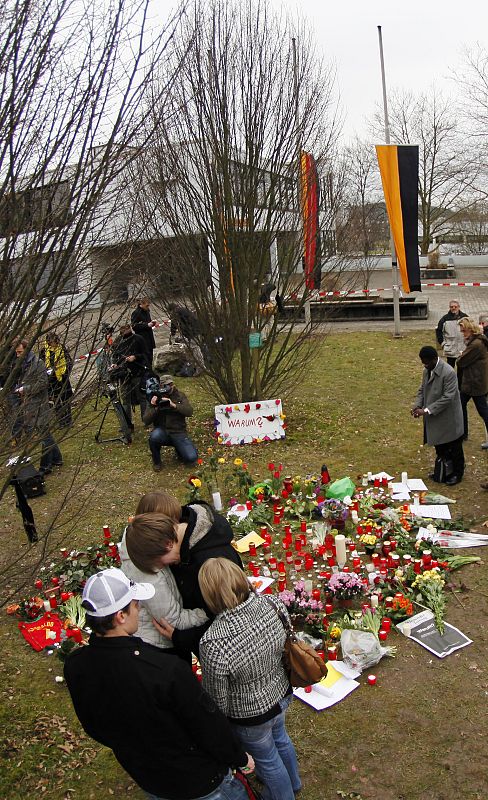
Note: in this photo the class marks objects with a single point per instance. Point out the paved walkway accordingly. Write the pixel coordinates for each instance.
(474, 301)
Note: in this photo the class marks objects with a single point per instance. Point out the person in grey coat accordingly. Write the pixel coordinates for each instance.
(439, 404)
(30, 405)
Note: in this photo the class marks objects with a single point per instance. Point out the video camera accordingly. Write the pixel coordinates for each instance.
(155, 389)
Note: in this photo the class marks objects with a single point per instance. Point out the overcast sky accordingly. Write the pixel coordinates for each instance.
(423, 41)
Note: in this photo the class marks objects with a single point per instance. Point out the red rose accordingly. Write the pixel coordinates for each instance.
(271, 466)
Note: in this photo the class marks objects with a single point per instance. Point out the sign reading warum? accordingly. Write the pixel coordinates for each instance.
(250, 423)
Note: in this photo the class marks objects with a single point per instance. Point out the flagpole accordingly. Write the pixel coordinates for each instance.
(307, 306)
(394, 262)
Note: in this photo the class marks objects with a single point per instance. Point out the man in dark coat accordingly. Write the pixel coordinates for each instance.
(129, 355)
(167, 410)
(143, 326)
(439, 404)
(30, 406)
(146, 705)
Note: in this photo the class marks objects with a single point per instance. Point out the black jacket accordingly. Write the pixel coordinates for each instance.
(208, 535)
(140, 319)
(172, 420)
(148, 707)
(132, 345)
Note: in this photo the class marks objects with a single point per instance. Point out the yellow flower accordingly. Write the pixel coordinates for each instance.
(196, 482)
(282, 416)
(238, 462)
(335, 632)
(221, 461)
(220, 440)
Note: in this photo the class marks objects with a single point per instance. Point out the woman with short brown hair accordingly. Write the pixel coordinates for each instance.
(472, 367)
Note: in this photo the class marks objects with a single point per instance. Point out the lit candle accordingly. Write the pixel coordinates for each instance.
(340, 545)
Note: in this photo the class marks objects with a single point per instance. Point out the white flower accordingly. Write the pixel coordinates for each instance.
(59, 679)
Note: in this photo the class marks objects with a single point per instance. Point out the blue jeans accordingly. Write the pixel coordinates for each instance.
(229, 789)
(50, 452)
(180, 441)
(274, 755)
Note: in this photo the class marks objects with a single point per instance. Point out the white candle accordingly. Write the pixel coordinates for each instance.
(47, 605)
(374, 600)
(308, 585)
(217, 501)
(340, 545)
(371, 577)
(404, 478)
(354, 516)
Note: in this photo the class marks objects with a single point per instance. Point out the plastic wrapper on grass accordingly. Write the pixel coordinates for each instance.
(361, 650)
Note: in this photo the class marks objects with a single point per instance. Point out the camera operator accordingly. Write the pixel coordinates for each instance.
(167, 411)
(129, 366)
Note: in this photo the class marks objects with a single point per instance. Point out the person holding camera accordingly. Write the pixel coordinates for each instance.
(129, 368)
(167, 410)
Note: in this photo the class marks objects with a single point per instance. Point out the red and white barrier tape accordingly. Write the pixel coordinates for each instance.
(366, 292)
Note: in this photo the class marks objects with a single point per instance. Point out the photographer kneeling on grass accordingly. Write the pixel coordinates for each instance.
(167, 410)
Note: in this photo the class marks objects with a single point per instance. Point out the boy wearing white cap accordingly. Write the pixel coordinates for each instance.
(146, 705)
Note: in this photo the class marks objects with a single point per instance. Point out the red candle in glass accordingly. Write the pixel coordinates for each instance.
(375, 558)
(321, 550)
(359, 530)
(382, 635)
(64, 552)
(351, 546)
(284, 494)
(434, 563)
(321, 653)
(386, 624)
(426, 557)
(281, 566)
(55, 580)
(328, 575)
(346, 569)
(268, 538)
(329, 608)
(249, 505)
(53, 602)
(407, 559)
(417, 566)
(285, 543)
(389, 602)
(106, 532)
(316, 594)
(393, 544)
(264, 531)
(289, 557)
(356, 562)
(252, 549)
(372, 680)
(331, 561)
(281, 586)
(332, 653)
(276, 518)
(376, 483)
(287, 530)
(298, 545)
(272, 563)
(325, 623)
(251, 565)
(298, 564)
(255, 572)
(303, 526)
(303, 539)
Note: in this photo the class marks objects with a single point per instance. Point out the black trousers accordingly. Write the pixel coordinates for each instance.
(454, 452)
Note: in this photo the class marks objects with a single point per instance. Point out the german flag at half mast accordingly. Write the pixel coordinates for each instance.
(399, 168)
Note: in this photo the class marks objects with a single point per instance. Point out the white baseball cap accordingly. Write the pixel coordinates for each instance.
(109, 591)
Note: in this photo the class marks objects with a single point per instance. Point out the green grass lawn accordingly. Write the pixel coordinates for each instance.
(420, 733)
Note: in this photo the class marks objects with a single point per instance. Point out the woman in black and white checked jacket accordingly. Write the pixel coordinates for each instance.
(242, 670)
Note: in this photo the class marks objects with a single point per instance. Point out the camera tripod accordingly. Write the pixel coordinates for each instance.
(125, 432)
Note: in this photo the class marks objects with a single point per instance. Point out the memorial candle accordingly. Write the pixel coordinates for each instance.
(340, 545)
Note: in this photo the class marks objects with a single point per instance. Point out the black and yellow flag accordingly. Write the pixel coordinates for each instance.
(399, 168)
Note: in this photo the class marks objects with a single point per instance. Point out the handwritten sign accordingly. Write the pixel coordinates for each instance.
(250, 423)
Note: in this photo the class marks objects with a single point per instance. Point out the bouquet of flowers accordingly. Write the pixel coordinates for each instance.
(430, 585)
(334, 510)
(299, 601)
(345, 585)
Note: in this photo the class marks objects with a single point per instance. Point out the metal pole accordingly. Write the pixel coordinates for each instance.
(299, 148)
(394, 262)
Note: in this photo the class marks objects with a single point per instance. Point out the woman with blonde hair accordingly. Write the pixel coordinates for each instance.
(241, 658)
(472, 366)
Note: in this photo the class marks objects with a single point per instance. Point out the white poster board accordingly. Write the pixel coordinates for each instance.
(250, 423)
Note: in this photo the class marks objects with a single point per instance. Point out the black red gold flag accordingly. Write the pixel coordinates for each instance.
(399, 168)
(310, 216)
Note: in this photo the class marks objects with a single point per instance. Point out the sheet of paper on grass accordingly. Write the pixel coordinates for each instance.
(335, 686)
(402, 491)
(242, 545)
(422, 629)
(260, 583)
(452, 539)
(430, 512)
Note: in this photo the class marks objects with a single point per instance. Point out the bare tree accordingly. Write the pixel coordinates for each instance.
(448, 169)
(222, 179)
(362, 229)
(72, 79)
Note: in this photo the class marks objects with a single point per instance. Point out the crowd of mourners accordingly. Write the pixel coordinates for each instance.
(181, 590)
